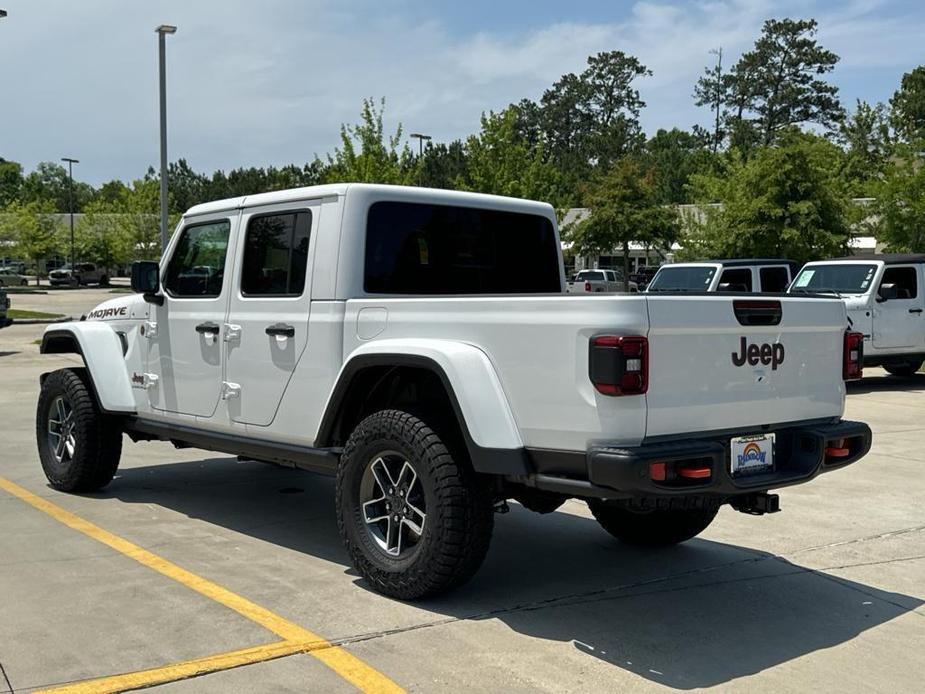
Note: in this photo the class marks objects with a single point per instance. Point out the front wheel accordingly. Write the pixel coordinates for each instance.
(415, 519)
(903, 369)
(79, 446)
(652, 528)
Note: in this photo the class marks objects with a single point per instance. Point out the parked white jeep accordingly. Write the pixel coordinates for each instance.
(419, 345)
(885, 297)
(769, 276)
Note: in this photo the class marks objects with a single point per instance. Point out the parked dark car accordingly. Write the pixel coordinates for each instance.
(81, 273)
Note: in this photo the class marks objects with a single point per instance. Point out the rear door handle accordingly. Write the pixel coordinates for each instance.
(208, 328)
(915, 310)
(281, 329)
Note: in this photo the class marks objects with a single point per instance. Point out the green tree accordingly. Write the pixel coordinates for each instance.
(674, 156)
(10, 181)
(783, 202)
(367, 156)
(501, 162)
(50, 181)
(36, 228)
(865, 135)
(774, 86)
(587, 121)
(900, 204)
(443, 166)
(908, 106)
(624, 208)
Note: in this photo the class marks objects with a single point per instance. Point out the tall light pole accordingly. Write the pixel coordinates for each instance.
(70, 202)
(162, 32)
(420, 138)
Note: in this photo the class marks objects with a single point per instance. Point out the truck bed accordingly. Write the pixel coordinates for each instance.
(538, 345)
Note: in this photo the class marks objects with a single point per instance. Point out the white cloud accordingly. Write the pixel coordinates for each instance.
(270, 83)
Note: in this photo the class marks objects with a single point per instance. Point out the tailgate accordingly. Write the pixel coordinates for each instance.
(700, 382)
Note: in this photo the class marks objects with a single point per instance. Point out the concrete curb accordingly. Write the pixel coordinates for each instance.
(41, 321)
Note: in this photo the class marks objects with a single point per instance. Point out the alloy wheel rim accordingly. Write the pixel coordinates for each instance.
(393, 504)
(61, 424)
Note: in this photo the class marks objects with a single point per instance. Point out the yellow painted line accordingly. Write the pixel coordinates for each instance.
(346, 665)
(179, 671)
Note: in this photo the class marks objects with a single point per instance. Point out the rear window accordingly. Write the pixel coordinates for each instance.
(682, 279)
(735, 280)
(589, 276)
(415, 248)
(774, 279)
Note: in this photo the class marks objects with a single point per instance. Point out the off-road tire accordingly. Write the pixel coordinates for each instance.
(656, 525)
(904, 370)
(460, 514)
(97, 436)
(104, 281)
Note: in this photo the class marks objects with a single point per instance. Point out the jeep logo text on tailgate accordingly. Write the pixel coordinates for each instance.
(772, 354)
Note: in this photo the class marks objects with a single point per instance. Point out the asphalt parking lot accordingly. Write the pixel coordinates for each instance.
(191, 562)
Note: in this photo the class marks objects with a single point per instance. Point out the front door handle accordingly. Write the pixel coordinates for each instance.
(281, 329)
(208, 328)
(915, 310)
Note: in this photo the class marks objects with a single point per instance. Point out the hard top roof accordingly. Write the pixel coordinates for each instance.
(739, 262)
(886, 258)
(336, 189)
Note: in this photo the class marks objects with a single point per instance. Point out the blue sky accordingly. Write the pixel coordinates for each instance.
(258, 83)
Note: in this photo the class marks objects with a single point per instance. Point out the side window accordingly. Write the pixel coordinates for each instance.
(774, 279)
(197, 266)
(276, 254)
(904, 279)
(737, 279)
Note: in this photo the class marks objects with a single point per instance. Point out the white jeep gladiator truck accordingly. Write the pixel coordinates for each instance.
(884, 294)
(419, 345)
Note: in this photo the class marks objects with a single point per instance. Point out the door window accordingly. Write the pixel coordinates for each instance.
(904, 279)
(197, 266)
(774, 279)
(276, 254)
(736, 280)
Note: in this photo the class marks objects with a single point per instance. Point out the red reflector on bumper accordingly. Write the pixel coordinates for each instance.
(658, 472)
(694, 473)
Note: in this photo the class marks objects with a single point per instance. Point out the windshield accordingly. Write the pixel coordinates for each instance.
(844, 278)
(690, 278)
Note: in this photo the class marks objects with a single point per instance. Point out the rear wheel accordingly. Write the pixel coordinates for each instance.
(415, 518)
(903, 369)
(104, 281)
(657, 527)
(79, 446)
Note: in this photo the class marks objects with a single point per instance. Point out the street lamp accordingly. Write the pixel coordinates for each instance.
(162, 32)
(420, 138)
(70, 203)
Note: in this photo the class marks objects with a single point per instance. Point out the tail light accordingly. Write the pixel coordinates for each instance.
(587, 286)
(619, 365)
(853, 365)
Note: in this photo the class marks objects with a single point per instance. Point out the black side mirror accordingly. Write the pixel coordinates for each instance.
(887, 292)
(146, 280)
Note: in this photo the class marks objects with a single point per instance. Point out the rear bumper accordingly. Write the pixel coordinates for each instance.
(617, 472)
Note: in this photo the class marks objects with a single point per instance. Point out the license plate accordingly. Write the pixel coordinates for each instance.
(752, 453)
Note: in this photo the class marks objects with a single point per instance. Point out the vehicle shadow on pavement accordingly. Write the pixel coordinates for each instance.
(877, 384)
(697, 615)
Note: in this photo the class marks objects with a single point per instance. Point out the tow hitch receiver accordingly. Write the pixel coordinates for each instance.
(757, 504)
